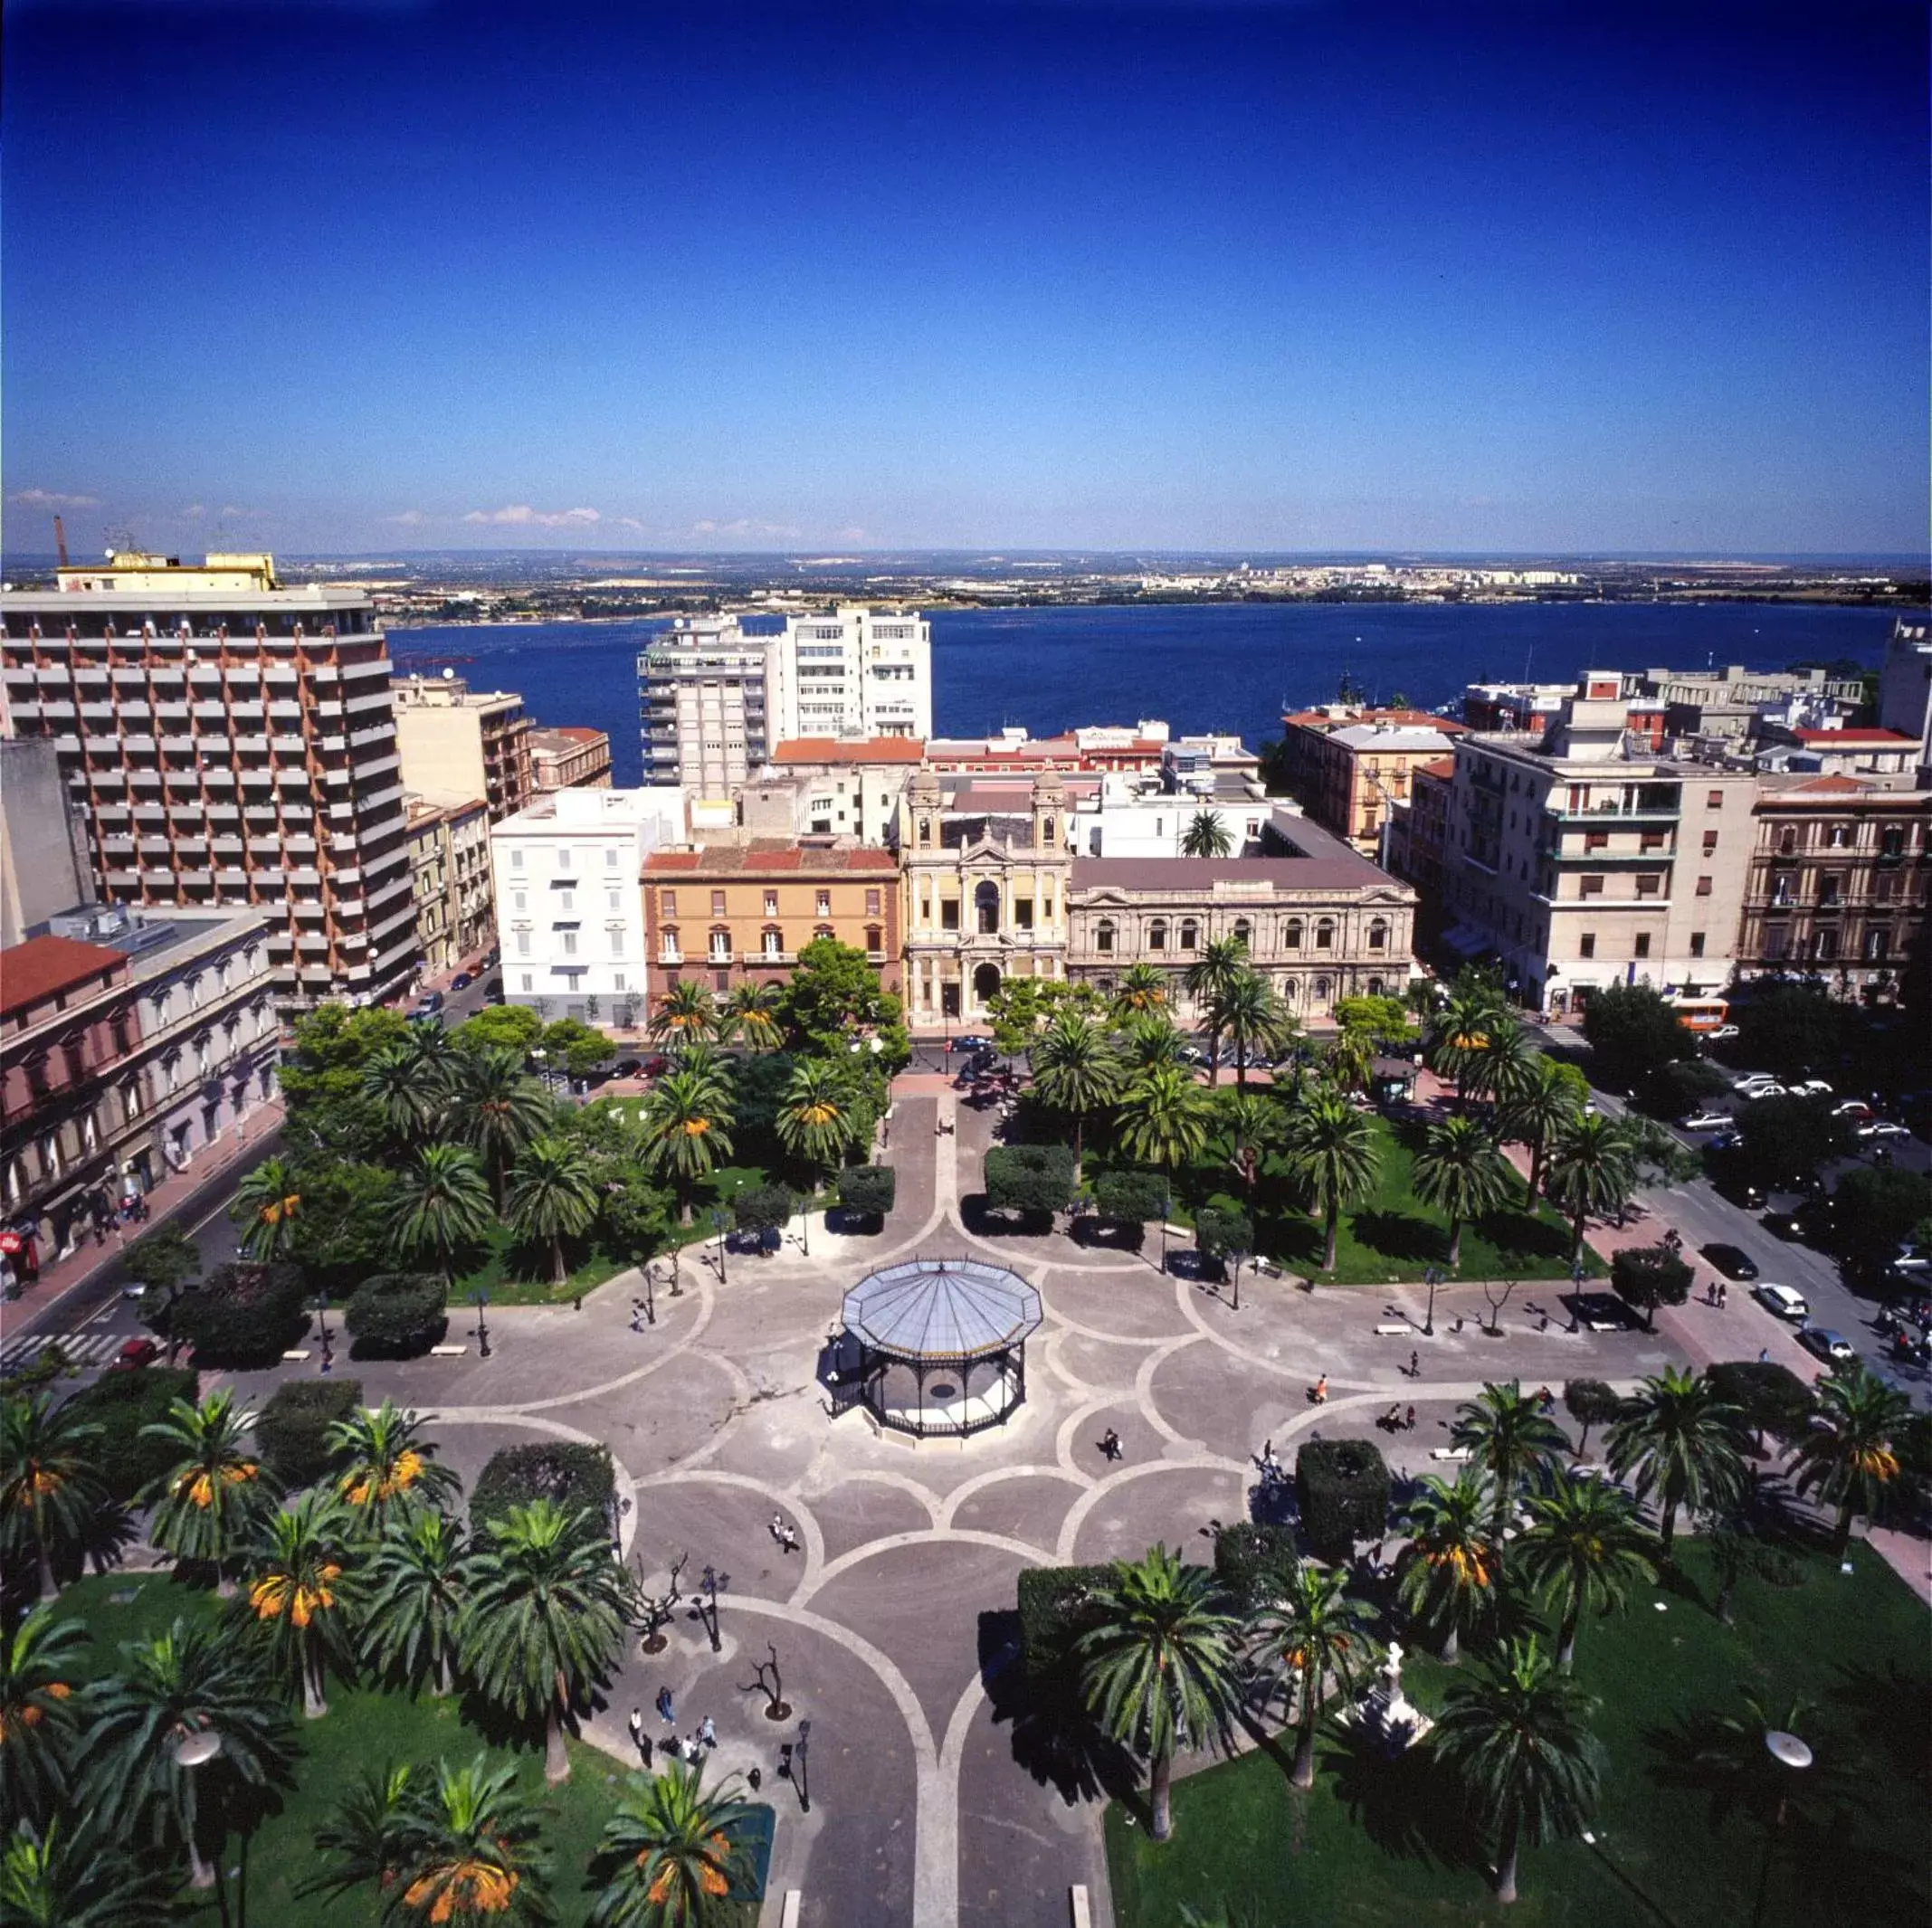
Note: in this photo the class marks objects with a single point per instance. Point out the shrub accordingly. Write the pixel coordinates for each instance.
(294, 1430)
(1030, 1177)
(1648, 1276)
(397, 1312)
(1590, 1402)
(1131, 1198)
(1342, 1486)
(1220, 1230)
(1056, 1607)
(242, 1315)
(121, 1403)
(1254, 1561)
(760, 1209)
(1772, 1397)
(579, 1478)
(872, 1189)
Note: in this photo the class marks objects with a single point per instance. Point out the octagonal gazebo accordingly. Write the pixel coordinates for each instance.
(942, 1344)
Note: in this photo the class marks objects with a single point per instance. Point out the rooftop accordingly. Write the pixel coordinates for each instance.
(1391, 737)
(566, 734)
(43, 967)
(1340, 716)
(850, 750)
(1326, 864)
(941, 1308)
(771, 856)
(1861, 739)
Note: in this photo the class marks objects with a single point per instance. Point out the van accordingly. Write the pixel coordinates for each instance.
(1783, 1301)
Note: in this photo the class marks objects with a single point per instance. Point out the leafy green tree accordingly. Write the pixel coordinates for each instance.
(686, 1012)
(546, 1610)
(1582, 1550)
(1131, 1197)
(42, 1701)
(552, 1198)
(761, 1208)
(1787, 1139)
(1590, 1172)
(687, 1132)
(389, 1469)
(67, 1876)
(574, 1047)
(329, 1113)
(216, 1497)
(1029, 1177)
(1220, 962)
(161, 1262)
(1875, 1209)
(1314, 1630)
(513, 1028)
(1769, 1397)
(49, 1494)
(634, 1214)
(417, 1580)
(817, 1121)
(441, 1207)
(1207, 836)
(1793, 1027)
(1632, 1032)
(1349, 1061)
(750, 1013)
(305, 1592)
(1852, 1456)
(1142, 991)
(1222, 1232)
(1515, 1736)
(1677, 1440)
(1648, 1276)
(500, 1108)
(1076, 1072)
(266, 1204)
(1160, 1670)
(1590, 1402)
(1510, 1437)
(1446, 1577)
(1164, 1118)
(1506, 1068)
(1546, 1106)
(1462, 1171)
(834, 991)
(342, 1231)
(1385, 1019)
(1249, 1015)
(1333, 1156)
(671, 1853)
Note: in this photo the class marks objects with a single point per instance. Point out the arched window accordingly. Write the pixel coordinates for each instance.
(1378, 938)
(926, 830)
(668, 944)
(1103, 934)
(774, 940)
(875, 939)
(986, 906)
(1190, 934)
(1157, 934)
(1788, 843)
(1321, 991)
(1375, 987)
(821, 930)
(1325, 934)
(1290, 990)
(1046, 834)
(720, 944)
(1291, 936)
(1243, 932)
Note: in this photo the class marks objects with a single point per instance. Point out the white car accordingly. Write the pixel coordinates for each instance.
(1812, 1088)
(1751, 1081)
(1724, 1031)
(1768, 1090)
(1851, 1107)
(1705, 1121)
(1783, 1301)
(1882, 1128)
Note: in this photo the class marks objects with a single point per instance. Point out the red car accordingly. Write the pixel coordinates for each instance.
(137, 1351)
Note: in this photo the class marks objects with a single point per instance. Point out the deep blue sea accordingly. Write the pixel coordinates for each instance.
(1221, 667)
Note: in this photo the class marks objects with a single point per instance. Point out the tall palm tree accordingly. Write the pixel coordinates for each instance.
(305, 1591)
(1512, 1439)
(359, 1837)
(1161, 1670)
(1590, 1172)
(1314, 1630)
(671, 1853)
(1505, 1065)
(417, 1580)
(685, 1012)
(1349, 1061)
(217, 1496)
(1680, 1441)
(1142, 988)
(195, 1678)
(546, 1610)
(1850, 1458)
(410, 1089)
(43, 1698)
(1208, 978)
(441, 1206)
(816, 1118)
(1148, 1039)
(751, 1012)
(553, 1197)
(1333, 1156)
(1461, 1173)
(267, 1203)
(67, 1876)
(1583, 1549)
(1249, 1015)
(1447, 1574)
(1514, 1735)
(686, 1131)
(49, 1494)
(1207, 836)
(390, 1471)
(1460, 1033)
(1540, 1111)
(464, 1848)
(1164, 1118)
(1249, 1127)
(1075, 1071)
(499, 1107)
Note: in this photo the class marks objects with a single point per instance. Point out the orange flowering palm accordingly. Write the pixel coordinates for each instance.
(390, 1471)
(1447, 1577)
(672, 1853)
(304, 1593)
(217, 1496)
(39, 1715)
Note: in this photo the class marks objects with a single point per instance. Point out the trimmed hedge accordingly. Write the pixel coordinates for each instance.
(1773, 1398)
(1647, 1276)
(121, 1403)
(294, 1430)
(1030, 1177)
(1131, 1198)
(1056, 1608)
(1220, 1230)
(243, 1314)
(1254, 1561)
(1590, 1402)
(397, 1312)
(1342, 1486)
(760, 1209)
(578, 1478)
(868, 1188)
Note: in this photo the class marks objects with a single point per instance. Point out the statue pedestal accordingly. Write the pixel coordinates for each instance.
(1386, 1714)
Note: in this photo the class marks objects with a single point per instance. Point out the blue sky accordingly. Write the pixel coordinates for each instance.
(353, 276)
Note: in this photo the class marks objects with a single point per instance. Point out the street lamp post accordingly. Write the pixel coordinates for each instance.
(1431, 1277)
(1788, 1751)
(321, 1310)
(721, 1224)
(482, 1330)
(800, 1757)
(194, 1748)
(709, 1587)
(649, 1292)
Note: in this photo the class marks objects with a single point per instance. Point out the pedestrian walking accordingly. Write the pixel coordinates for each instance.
(1408, 1425)
(1415, 1364)
(788, 1539)
(636, 1724)
(1764, 1355)
(754, 1779)
(1318, 1393)
(666, 1707)
(777, 1528)
(707, 1732)
(1109, 1445)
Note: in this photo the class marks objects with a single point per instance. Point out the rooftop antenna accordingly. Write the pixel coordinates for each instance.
(60, 540)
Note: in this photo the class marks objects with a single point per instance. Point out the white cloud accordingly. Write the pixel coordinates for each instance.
(744, 526)
(52, 498)
(409, 519)
(194, 512)
(230, 511)
(854, 534)
(630, 522)
(520, 514)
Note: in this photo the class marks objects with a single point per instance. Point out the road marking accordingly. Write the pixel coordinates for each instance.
(81, 1348)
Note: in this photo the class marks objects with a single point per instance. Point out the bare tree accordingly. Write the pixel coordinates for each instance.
(658, 1609)
(1496, 1306)
(764, 1680)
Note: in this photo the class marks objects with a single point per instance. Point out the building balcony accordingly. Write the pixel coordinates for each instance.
(1596, 813)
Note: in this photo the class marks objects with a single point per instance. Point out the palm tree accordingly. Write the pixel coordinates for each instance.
(1460, 1032)
(1542, 1110)
(1448, 1571)
(1333, 1155)
(196, 1678)
(1148, 1039)
(1514, 1735)
(441, 1206)
(390, 1470)
(75, 1877)
(1583, 1549)
(267, 1203)
(1589, 1171)
(546, 1610)
(216, 1496)
(751, 1012)
(1164, 1118)
(552, 1196)
(1142, 990)
(816, 1121)
(1207, 836)
(1850, 1458)
(49, 1494)
(1076, 1071)
(416, 1591)
(1507, 1066)
(1207, 978)
(1681, 1442)
(686, 1131)
(685, 1012)
(42, 1701)
(1350, 1060)
(1313, 1630)
(1512, 1439)
(1249, 1125)
(499, 1109)
(1249, 1014)
(361, 1833)
(1160, 1670)
(409, 1090)
(671, 1853)
(463, 1847)
(305, 1592)
(1461, 1172)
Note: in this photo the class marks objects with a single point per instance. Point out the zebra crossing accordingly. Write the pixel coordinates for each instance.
(80, 1348)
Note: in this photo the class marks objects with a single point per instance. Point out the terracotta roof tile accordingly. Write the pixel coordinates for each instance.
(1865, 739)
(848, 750)
(43, 967)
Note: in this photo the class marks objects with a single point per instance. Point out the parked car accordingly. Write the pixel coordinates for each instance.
(1191, 1054)
(1825, 1343)
(428, 1004)
(1706, 1121)
(972, 1043)
(1811, 1087)
(1750, 1078)
(627, 1067)
(1724, 1031)
(1772, 1089)
(462, 979)
(135, 1353)
(494, 989)
(1727, 1141)
(1882, 1128)
(654, 1067)
(1732, 1262)
(1851, 1107)
(1783, 1301)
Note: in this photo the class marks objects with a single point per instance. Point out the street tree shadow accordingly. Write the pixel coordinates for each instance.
(1053, 1737)
(1405, 1802)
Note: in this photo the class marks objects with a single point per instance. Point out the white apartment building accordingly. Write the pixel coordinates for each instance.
(1582, 860)
(861, 672)
(1904, 687)
(1120, 816)
(714, 703)
(570, 914)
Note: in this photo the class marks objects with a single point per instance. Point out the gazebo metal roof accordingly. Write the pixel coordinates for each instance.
(941, 1309)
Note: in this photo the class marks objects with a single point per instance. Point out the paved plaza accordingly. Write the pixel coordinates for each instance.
(892, 1620)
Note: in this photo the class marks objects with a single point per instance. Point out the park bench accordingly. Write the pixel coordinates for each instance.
(295, 1355)
(1394, 1329)
(1456, 1453)
(447, 1352)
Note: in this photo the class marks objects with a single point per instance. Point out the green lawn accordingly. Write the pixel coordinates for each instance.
(516, 1275)
(1379, 1843)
